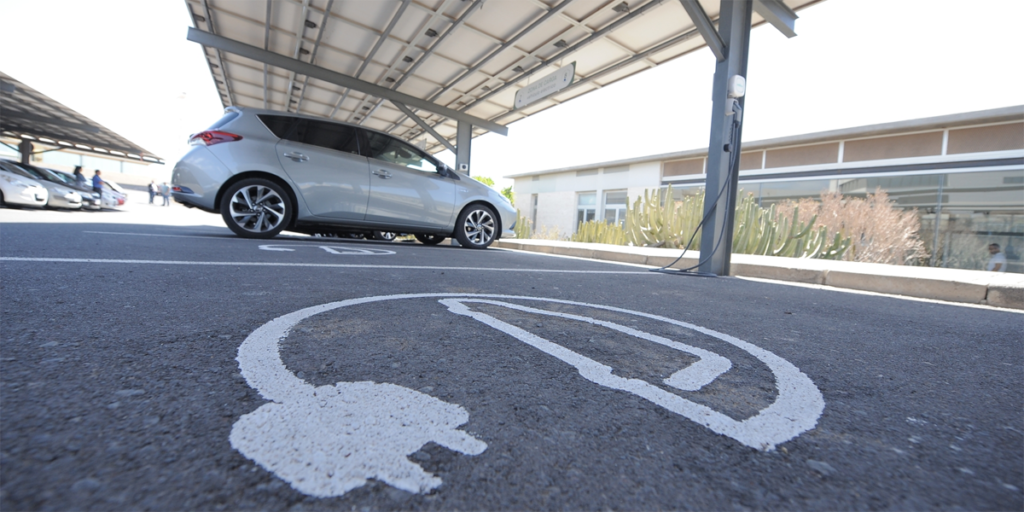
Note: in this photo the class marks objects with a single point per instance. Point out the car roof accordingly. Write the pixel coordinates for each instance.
(258, 111)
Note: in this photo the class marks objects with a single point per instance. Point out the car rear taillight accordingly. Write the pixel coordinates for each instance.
(211, 137)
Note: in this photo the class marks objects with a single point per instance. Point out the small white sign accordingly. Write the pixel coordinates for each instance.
(546, 86)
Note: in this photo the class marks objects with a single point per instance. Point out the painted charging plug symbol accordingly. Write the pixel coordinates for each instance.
(328, 440)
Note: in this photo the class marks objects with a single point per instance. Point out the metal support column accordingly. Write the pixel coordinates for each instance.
(463, 139)
(723, 151)
(25, 148)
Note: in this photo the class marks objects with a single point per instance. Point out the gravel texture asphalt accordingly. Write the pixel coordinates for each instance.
(119, 333)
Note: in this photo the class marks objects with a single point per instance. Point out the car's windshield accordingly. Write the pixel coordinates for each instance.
(26, 172)
(63, 177)
(117, 188)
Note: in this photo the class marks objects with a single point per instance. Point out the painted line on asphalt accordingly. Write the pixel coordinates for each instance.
(853, 291)
(210, 237)
(315, 265)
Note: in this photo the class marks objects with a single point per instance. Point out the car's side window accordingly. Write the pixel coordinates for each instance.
(317, 133)
(397, 152)
(280, 126)
(330, 135)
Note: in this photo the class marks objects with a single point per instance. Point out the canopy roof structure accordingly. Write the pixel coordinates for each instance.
(30, 115)
(413, 67)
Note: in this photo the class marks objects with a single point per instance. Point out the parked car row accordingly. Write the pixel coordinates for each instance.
(265, 171)
(30, 185)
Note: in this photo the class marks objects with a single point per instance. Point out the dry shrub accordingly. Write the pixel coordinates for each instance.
(548, 233)
(879, 232)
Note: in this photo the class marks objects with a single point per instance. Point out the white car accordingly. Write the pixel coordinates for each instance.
(19, 190)
(61, 195)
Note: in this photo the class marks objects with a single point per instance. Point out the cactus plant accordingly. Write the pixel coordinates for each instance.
(656, 220)
(600, 233)
(522, 228)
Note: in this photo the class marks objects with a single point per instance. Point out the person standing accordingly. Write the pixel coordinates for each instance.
(997, 263)
(165, 190)
(152, 191)
(80, 178)
(97, 183)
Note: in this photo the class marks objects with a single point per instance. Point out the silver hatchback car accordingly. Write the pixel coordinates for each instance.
(265, 171)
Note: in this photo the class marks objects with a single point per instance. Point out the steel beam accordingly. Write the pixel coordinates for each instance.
(423, 124)
(216, 52)
(596, 36)
(369, 57)
(266, 46)
(778, 14)
(326, 75)
(463, 139)
(423, 57)
(705, 27)
(724, 148)
(312, 56)
(25, 148)
(476, 67)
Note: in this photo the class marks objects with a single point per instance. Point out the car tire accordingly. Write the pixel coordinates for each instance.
(385, 236)
(3, 204)
(476, 227)
(430, 239)
(256, 208)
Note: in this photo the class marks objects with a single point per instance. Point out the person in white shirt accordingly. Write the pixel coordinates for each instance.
(997, 263)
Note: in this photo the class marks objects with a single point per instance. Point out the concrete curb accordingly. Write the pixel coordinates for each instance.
(952, 285)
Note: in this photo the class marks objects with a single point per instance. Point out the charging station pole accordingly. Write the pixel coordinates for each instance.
(734, 28)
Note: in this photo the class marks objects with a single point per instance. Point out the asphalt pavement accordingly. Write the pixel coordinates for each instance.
(150, 360)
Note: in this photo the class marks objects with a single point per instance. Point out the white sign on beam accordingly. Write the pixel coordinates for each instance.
(546, 86)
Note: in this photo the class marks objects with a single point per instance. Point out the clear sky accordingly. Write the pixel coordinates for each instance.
(128, 66)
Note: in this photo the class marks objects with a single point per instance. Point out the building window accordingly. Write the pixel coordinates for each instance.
(615, 207)
(586, 207)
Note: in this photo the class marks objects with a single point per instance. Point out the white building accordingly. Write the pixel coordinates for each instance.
(966, 170)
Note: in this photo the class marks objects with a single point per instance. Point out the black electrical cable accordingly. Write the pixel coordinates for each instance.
(733, 167)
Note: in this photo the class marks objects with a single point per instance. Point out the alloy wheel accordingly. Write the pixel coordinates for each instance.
(257, 208)
(479, 227)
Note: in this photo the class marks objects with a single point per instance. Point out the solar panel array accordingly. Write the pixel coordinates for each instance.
(28, 114)
(467, 55)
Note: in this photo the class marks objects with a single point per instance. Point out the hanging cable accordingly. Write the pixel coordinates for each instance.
(734, 134)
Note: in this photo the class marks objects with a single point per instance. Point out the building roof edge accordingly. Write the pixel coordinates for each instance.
(995, 115)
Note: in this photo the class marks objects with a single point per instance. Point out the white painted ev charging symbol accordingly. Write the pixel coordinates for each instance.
(328, 440)
(335, 249)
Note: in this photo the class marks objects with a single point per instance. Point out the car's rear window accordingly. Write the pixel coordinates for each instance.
(228, 117)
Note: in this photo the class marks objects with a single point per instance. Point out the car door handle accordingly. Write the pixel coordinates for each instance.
(382, 173)
(298, 157)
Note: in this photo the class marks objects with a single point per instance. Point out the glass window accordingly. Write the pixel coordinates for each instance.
(338, 137)
(390, 149)
(586, 207)
(334, 136)
(615, 207)
(280, 126)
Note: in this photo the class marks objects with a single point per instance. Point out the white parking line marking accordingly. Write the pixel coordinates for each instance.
(329, 249)
(317, 265)
(327, 440)
(211, 236)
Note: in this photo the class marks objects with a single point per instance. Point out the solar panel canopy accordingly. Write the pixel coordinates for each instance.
(470, 56)
(27, 114)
